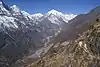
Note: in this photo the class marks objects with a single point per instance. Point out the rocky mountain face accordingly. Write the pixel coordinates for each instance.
(21, 33)
(82, 52)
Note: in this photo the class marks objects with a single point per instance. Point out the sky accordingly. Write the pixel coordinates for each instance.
(65, 6)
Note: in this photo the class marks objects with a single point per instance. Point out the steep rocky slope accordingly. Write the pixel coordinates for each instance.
(82, 52)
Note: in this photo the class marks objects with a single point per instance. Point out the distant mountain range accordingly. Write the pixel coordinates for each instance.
(21, 33)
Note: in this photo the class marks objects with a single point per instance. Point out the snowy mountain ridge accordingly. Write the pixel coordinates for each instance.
(54, 14)
(27, 32)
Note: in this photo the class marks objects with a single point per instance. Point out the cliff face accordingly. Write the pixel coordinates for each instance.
(83, 52)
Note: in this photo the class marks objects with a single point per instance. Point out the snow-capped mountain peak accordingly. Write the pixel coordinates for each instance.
(3, 8)
(15, 10)
(37, 15)
(25, 13)
(54, 12)
(1, 2)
